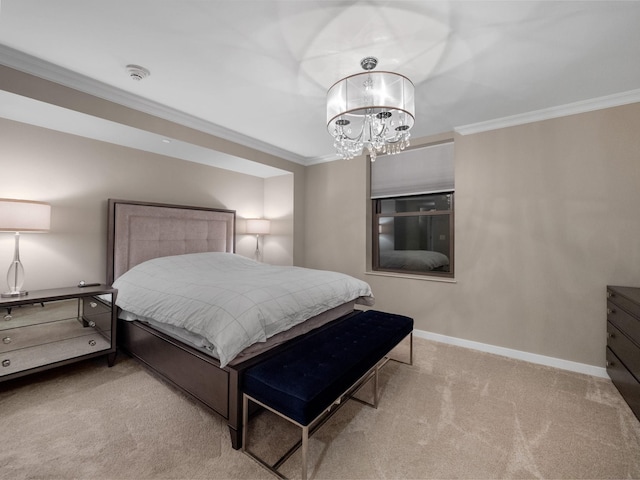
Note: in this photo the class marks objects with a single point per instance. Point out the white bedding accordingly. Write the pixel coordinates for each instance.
(231, 300)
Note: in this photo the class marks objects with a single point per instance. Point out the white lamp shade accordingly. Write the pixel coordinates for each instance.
(258, 226)
(24, 216)
(363, 94)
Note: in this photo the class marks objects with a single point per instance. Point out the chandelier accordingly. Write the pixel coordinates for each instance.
(371, 109)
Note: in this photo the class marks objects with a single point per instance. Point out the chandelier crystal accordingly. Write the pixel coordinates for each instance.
(372, 110)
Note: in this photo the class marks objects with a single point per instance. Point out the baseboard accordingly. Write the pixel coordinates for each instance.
(517, 354)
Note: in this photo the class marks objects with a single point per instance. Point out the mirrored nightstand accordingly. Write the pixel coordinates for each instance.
(50, 328)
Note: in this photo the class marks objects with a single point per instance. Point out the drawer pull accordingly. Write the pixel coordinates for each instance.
(8, 317)
(6, 362)
(6, 340)
(92, 343)
(610, 335)
(93, 304)
(92, 323)
(610, 364)
(610, 294)
(611, 311)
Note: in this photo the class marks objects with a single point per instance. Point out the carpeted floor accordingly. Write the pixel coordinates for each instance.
(455, 413)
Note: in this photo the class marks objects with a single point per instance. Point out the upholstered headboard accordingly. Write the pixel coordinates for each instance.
(140, 231)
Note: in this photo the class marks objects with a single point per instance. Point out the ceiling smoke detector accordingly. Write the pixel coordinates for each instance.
(137, 73)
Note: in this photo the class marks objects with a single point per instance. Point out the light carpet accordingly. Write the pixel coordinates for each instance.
(455, 413)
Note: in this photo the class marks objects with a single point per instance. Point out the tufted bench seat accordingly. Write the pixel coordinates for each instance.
(303, 382)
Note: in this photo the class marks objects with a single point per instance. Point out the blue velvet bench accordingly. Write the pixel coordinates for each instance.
(307, 382)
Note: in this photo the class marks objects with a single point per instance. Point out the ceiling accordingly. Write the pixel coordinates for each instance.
(257, 72)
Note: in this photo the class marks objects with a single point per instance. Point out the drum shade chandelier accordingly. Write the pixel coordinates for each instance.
(372, 109)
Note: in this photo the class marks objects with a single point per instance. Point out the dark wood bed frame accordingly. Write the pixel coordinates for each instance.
(191, 371)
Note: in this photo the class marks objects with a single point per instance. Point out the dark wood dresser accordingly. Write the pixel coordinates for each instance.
(623, 343)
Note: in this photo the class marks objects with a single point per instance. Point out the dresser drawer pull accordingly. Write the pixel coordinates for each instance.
(93, 304)
(6, 340)
(611, 311)
(611, 335)
(92, 323)
(92, 343)
(610, 294)
(6, 363)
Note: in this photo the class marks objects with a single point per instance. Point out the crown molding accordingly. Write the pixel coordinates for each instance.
(615, 100)
(40, 68)
(322, 159)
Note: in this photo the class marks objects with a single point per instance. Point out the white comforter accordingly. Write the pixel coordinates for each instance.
(231, 300)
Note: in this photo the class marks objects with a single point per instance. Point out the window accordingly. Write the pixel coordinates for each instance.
(413, 212)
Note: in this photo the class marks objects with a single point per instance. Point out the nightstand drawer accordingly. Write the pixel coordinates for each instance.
(36, 313)
(97, 314)
(626, 322)
(32, 357)
(95, 306)
(23, 337)
(627, 351)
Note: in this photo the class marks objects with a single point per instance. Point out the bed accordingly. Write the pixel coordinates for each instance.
(148, 243)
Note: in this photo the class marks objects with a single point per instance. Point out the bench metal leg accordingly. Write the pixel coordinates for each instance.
(245, 421)
(387, 358)
(302, 443)
(305, 449)
(411, 348)
(375, 387)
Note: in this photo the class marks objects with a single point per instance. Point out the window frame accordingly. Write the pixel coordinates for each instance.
(376, 216)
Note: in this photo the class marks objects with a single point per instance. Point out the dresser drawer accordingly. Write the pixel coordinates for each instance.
(627, 351)
(24, 337)
(625, 297)
(626, 322)
(627, 384)
(32, 357)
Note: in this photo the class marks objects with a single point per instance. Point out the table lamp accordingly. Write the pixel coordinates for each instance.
(257, 227)
(21, 216)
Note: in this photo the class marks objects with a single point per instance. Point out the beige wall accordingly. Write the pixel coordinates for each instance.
(77, 176)
(546, 217)
(29, 86)
(279, 208)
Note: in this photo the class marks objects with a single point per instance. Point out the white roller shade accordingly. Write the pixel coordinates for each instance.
(414, 172)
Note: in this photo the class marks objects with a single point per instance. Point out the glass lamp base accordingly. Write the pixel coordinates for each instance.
(13, 294)
(15, 275)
